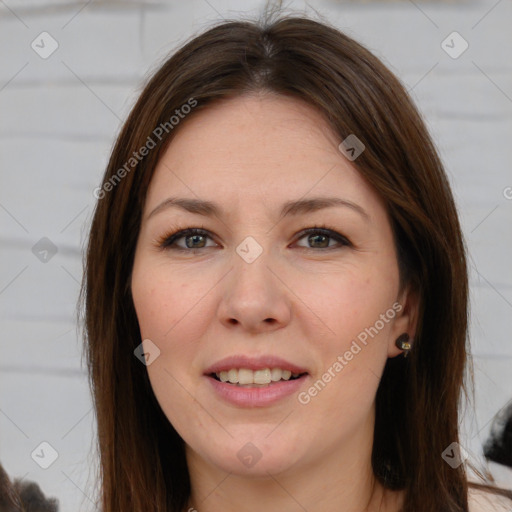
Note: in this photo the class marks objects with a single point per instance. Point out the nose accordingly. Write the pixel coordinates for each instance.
(254, 298)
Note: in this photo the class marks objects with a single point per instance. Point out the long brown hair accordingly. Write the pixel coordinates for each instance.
(143, 465)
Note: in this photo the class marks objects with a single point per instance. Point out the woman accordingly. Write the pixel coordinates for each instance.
(274, 234)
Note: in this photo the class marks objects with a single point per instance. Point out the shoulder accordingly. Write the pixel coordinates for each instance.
(486, 501)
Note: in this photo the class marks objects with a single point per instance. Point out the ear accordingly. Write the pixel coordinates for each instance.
(406, 319)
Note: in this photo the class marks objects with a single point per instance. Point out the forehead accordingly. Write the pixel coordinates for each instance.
(255, 148)
(255, 128)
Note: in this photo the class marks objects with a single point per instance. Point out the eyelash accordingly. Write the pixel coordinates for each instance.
(167, 241)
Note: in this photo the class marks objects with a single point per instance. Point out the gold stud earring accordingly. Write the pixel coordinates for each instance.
(403, 343)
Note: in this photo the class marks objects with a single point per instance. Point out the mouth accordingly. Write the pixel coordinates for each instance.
(261, 378)
(255, 381)
(253, 371)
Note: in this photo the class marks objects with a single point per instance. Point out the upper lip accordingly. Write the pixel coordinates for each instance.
(253, 363)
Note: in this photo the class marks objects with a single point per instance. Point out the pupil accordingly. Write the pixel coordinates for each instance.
(313, 237)
(195, 237)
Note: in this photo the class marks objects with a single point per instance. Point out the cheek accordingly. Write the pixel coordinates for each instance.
(163, 307)
(171, 311)
(359, 314)
(350, 302)
(352, 356)
(160, 302)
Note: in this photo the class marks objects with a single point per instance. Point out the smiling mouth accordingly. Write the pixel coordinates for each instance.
(265, 377)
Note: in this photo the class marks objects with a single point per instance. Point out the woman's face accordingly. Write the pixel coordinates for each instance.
(251, 297)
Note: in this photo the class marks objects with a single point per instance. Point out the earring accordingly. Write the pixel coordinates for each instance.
(403, 343)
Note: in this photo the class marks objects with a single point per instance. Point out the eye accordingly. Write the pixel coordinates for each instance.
(319, 238)
(195, 238)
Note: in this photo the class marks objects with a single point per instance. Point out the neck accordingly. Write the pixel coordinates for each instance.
(274, 493)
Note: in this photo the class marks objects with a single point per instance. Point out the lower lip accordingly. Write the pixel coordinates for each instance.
(256, 397)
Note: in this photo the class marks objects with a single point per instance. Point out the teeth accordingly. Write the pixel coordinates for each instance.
(244, 376)
(276, 374)
(262, 376)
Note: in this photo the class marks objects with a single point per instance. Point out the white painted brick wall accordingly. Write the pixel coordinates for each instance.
(58, 120)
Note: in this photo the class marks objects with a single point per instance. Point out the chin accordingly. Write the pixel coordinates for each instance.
(255, 458)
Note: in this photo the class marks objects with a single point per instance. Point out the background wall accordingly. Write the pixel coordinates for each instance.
(70, 72)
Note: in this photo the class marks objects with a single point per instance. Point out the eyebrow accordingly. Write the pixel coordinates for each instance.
(298, 207)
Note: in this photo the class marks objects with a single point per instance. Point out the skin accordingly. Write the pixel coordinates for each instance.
(298, 300)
